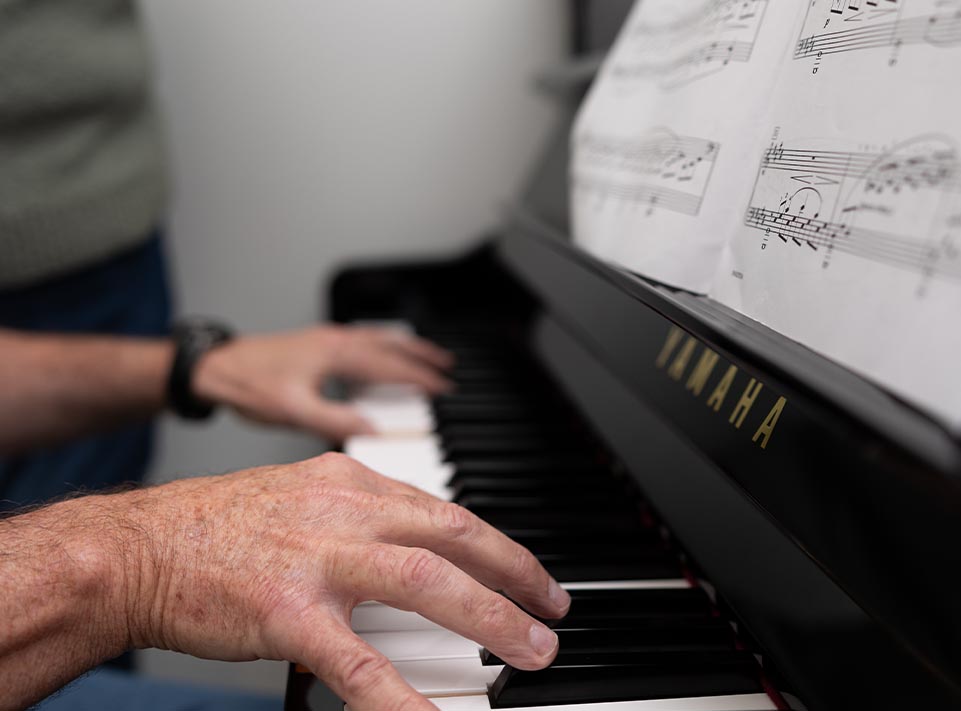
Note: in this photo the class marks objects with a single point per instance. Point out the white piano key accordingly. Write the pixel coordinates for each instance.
(412, 460)
(388, 392)
(670, 583)
(396, 416)
(423, 645)
(377, 617)
(448, 677)
(735, 702)
(385, 323)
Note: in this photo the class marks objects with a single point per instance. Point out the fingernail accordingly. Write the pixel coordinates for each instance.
(559, 596)
(543, 640)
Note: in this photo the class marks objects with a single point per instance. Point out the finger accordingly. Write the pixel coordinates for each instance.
(419, 580)
(355, 671)
(396, 487)
(331, 420)
(388, 366)
(422, 349)
(474, 546)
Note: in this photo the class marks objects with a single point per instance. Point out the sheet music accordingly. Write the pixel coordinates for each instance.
(851, 240)
(846, 195)
(672, 118)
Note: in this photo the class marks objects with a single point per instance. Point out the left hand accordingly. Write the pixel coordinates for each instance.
(277, 378)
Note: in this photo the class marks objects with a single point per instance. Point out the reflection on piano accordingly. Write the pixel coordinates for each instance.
(742, 524)
(711, 568)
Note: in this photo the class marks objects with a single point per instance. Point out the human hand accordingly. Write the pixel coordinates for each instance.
(269, 563)
(277, 378)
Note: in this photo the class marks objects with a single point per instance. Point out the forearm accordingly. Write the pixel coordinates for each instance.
(62, 599)
(54, 387)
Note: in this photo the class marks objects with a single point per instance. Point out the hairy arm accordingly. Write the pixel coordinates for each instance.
(55, 387)
(266, 563)
(58, 568)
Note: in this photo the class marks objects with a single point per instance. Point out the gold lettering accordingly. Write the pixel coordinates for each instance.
(683, 357)
(767, 427)
(673, 338)
(745, 403)
(720, 391)
(702, 371)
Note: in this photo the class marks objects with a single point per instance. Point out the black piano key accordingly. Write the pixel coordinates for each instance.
(497, 373)
(507, 486)
(457, 449)
(616, 646)
(485, 397)
(454, 413)
(571, 571)
(547, 499)
(638, 544)
(560, 521)
(545, 464)
(600, 607)
(510, 429)
(601, 550)
(656, 675)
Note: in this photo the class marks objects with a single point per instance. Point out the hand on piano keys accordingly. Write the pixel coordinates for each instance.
(277, 378)
(639, 636)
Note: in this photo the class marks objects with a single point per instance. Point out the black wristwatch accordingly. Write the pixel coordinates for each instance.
(193, 337)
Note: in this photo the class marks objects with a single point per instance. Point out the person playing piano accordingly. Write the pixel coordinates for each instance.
(265, 563)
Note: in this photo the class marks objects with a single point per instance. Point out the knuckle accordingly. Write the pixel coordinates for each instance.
(383, 561)
(422, 569)
(360, 671)
(453, 520)
(335, 460)
(523, 565)
(493, 616)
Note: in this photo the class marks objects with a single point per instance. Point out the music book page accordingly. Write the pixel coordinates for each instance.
(798, 161)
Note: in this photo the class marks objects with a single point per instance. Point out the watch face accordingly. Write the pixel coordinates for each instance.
(193, 337)
(202, 330)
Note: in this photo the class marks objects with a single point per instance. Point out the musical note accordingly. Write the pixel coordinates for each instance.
(881, 24)
(662, 170)
(695, 44)
(898, 207)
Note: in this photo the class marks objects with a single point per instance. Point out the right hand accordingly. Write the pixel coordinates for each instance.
(269, 563)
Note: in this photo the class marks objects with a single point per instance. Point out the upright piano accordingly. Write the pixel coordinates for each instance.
(743, 523)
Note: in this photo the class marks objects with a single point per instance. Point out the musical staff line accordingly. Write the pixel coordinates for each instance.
(900, 207)
(650, 195)
(695, 45)
(661, 171)
(939, 169)
(865, 243)
(936, 30)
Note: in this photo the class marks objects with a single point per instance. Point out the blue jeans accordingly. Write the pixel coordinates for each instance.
(126, 295)
(107, 689)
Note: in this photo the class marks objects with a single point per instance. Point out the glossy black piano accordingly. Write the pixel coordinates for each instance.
(744, 524)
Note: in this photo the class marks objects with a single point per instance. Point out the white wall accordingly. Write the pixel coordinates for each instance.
(306, 132)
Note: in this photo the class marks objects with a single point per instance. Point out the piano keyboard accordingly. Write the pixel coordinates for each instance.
(640, 635)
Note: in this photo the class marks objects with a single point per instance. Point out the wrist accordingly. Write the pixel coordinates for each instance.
(135, 564)
(194, 340)
(213, 378)
(76, 556)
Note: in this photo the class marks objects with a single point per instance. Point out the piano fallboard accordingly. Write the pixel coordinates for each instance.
(823, 511)
(826, 511)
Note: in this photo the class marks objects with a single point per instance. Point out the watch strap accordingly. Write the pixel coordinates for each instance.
(193, 338)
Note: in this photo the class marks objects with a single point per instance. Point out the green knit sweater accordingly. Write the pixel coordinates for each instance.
(81, 175)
